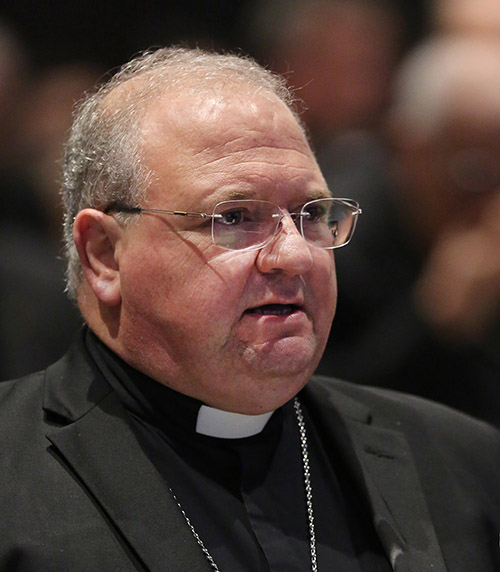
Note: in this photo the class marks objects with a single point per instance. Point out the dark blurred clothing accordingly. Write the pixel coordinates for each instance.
(37, 321)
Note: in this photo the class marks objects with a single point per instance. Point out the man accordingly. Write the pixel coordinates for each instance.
(200, 235)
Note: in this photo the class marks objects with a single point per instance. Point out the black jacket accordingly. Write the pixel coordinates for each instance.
(78, 493)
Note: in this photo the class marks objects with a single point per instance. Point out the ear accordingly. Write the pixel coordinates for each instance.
(96, 236)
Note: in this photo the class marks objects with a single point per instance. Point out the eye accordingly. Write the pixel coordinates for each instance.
(233, 217)
(314, 213)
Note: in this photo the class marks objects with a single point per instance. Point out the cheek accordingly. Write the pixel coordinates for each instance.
(221, 284)
(184, 285)
(325, 287)
(148, 280)
(324, 270)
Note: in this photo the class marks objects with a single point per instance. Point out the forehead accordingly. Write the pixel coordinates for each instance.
(209, 109)
(240, 137)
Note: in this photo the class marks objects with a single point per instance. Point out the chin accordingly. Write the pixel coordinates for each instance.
(296, 354)
(287, 358)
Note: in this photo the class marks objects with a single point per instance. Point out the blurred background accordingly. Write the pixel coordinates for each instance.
(402, 102)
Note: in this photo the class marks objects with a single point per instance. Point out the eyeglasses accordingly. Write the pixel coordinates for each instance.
(251, 224)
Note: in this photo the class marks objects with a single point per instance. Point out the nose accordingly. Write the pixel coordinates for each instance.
(288, 252)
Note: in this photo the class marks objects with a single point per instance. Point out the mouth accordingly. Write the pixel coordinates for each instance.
(274, 310)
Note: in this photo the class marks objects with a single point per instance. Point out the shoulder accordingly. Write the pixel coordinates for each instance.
(33, 404)
(23, 422)
(425, 423)
(447, 449)
(18, 396)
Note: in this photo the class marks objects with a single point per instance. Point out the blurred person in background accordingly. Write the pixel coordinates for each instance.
(44, 128)
(419, 311)
(339, 53)
(470, 17)
(18, 204)
(37, 321)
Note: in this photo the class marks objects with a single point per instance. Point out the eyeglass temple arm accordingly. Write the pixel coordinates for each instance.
(176, 213)
(137, 210)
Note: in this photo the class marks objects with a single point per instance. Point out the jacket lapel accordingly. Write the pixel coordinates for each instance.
(99, 447)
(382, 465)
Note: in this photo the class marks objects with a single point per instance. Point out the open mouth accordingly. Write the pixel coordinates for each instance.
(274, 309)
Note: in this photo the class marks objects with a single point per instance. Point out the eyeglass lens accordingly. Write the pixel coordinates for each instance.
(245, 224)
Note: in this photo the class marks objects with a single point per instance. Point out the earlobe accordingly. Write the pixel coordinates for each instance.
(96, 236)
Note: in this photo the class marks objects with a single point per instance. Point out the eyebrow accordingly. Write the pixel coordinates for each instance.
(251, 194)
(321, 194)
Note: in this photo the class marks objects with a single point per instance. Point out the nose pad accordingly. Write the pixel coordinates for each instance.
(287, 225)
(287, 252)
(291, 221)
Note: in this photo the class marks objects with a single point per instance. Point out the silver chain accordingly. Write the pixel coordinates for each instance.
(308, 489)
(195, 534)
(307, 483)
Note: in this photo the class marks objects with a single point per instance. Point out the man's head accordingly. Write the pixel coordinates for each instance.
(103, 159)
(183, 130)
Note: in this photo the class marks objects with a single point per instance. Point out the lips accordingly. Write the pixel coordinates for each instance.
(274, 309)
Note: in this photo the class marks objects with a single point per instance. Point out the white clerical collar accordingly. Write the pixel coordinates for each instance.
(227, 425)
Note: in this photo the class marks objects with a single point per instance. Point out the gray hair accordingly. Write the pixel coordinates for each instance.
(102, 163)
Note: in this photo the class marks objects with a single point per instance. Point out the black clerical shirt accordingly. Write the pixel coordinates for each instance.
(245, 497)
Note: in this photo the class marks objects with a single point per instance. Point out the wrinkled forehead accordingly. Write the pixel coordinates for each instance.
(231, 116)
(200, 141)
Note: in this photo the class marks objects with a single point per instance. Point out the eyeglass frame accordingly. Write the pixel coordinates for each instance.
(352, 204)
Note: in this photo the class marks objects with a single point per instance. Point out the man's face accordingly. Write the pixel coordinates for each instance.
(240, 331)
